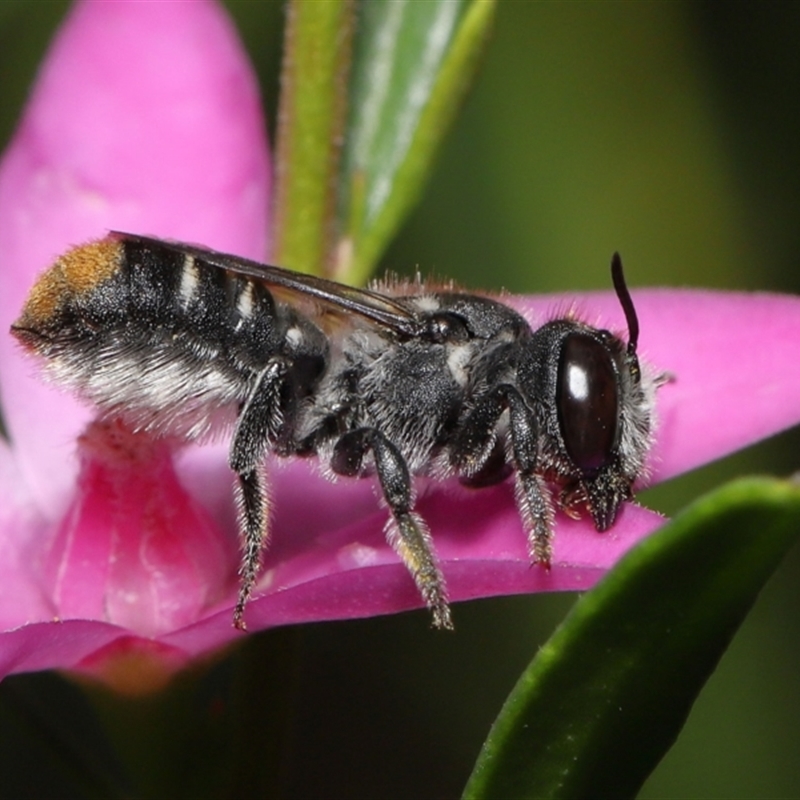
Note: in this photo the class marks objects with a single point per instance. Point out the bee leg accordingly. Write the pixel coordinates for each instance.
(251, 496)
(473, 450)
(533, 498)
(258, 424)
(406, 531)
(477, 436)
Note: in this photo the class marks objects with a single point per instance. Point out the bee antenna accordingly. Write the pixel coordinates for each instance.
(625, 300)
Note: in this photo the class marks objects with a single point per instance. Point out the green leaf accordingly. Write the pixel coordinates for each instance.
(412, 65)
(316, 59)
(606, 697)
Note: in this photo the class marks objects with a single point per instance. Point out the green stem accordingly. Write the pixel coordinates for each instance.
(313, 102)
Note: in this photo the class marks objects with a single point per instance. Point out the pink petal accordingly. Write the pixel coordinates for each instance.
(22, 597)
(134, 548)
(735, 362)
(55, 644)
(145, 117)
(132, 665)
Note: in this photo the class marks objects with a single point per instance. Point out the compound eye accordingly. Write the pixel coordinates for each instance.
(587, 399)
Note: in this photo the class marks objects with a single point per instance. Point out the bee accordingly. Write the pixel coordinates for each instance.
(397, 380)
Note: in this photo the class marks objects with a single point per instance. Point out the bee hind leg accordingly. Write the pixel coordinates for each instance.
(406, 531)
(258, 425)
(252, 501)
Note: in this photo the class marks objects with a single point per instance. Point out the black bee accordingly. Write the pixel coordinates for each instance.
(397, 381)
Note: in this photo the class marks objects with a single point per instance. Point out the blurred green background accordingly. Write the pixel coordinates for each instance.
(671, 132)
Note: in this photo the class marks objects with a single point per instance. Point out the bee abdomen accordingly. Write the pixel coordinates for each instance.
(157, 336)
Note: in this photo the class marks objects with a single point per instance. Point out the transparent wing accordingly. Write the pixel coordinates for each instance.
(378, 308)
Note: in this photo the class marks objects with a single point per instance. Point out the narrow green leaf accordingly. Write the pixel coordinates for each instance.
(606, 697)
(412, 66)
(316, 60)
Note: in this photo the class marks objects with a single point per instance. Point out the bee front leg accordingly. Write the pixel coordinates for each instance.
(472, 452)
(533, 499)
(406, 531)
(259, 423)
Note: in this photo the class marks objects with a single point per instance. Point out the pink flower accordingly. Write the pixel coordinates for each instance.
(115, 550)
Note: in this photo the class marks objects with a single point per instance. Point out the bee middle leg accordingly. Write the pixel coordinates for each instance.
(406, 531)
(258, 424)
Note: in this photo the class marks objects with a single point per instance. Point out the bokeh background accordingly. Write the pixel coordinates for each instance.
(669, 131)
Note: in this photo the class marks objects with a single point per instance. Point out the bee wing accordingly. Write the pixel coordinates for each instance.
(373, 306)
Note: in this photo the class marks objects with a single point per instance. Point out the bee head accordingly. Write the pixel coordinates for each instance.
(595, 408)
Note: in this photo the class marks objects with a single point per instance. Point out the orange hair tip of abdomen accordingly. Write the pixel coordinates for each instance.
(76, 272)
